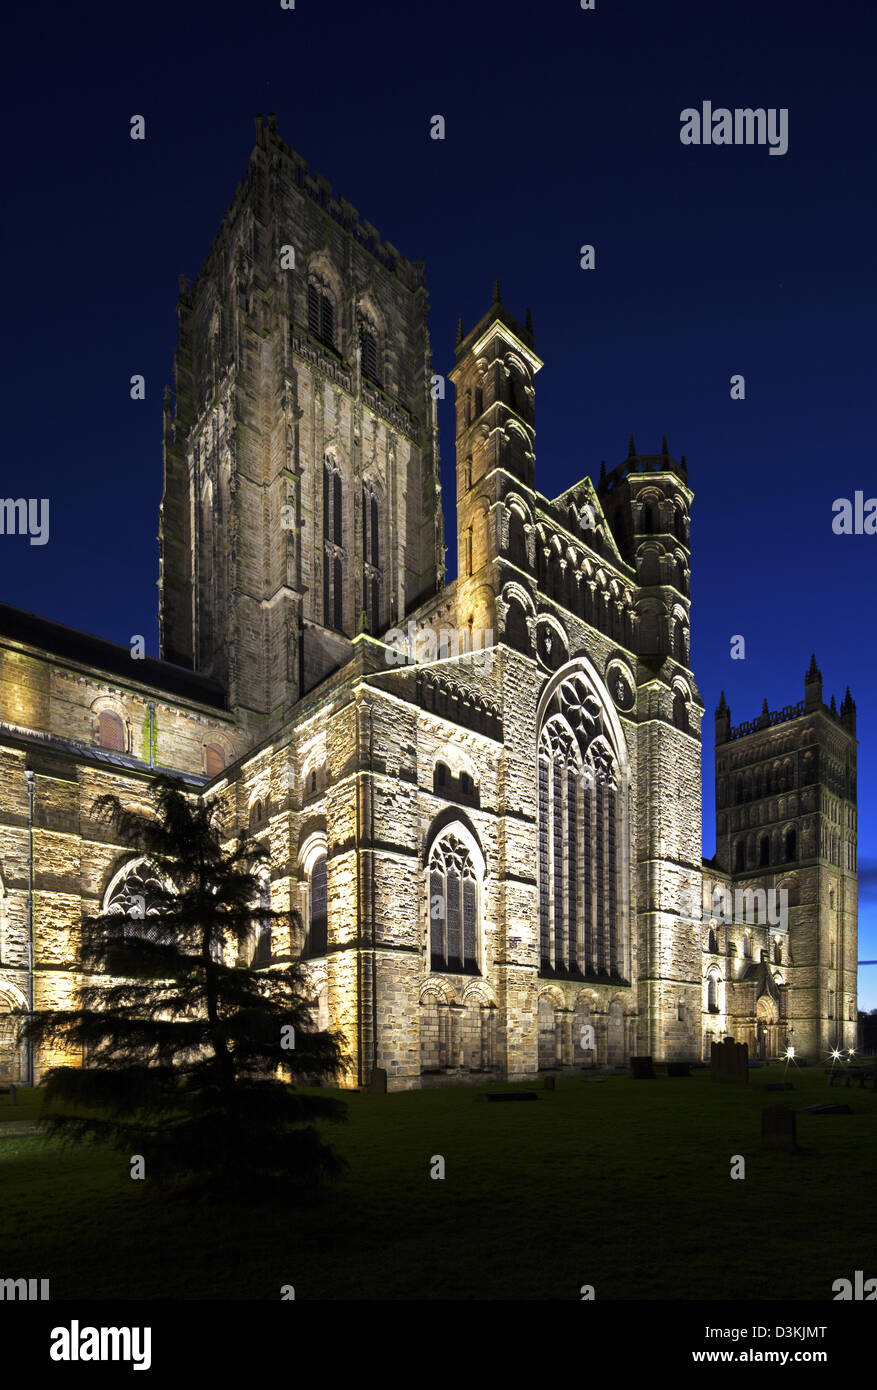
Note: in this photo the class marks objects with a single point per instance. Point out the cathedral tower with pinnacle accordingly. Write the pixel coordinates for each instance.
(301, 498)
(786, 827)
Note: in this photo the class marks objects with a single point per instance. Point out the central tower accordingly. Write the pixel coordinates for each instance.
(301, 496)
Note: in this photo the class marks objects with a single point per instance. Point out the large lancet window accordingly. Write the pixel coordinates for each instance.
(316, 941)
(321, 313)
(453, 907)
(370, 358)
(333, 530)
(371, 558)
(582, 919)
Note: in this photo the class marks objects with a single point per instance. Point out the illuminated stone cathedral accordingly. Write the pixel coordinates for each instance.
(479, 800)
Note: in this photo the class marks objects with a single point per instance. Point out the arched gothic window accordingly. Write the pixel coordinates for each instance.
(321, 312)
(317, 938)
(680, 712)
(582, 920)
(332, 501)
(790, 845)
(453, 907)
(111, 731)
(370, 360)
(262, 950)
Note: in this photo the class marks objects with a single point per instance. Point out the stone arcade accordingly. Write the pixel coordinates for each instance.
(493, 867)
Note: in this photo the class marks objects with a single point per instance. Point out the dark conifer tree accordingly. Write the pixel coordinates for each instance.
(185, 1038)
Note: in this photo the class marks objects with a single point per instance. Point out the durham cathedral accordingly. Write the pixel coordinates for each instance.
(478, 801)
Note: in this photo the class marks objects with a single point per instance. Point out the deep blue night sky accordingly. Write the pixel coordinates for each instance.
(562, 129)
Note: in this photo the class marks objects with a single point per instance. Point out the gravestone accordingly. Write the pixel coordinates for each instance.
(549, 1083)
(729, 1061)
(378, 1081)
(678, 1069)
(778, 1128)
(641, 1069)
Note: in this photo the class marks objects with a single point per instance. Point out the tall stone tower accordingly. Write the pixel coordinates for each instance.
(647, 503)
(786, 819)
(301, 495)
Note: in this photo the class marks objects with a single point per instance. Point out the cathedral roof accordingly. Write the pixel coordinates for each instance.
(67, 643)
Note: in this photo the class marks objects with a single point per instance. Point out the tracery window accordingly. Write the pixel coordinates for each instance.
(582, 924)
(453, 907)
(136, 892)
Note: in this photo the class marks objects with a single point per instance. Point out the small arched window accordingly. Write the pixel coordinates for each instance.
(747, 944)
(257, 814)
(214, 759)
(777, 953)
(739, 857)
(764, 851)
(711, 940)
(680, 712)
(712, 993)
(111, 731)
(791, 845)
(516, 633)
(517, 539)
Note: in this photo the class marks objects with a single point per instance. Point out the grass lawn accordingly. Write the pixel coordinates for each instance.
(617, 1183)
